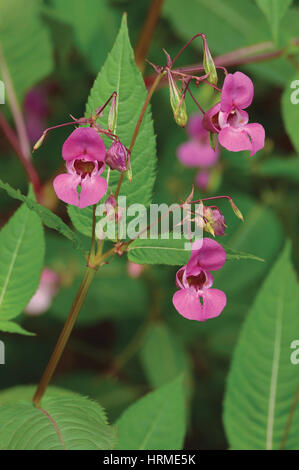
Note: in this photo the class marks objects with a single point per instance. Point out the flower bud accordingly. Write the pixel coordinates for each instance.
(38, 144)
(214, 221)
(116, 157)
(177, 102)
(208, 63)
(237, 211)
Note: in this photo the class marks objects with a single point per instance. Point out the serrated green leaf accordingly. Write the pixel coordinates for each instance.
(110, 392)
(21, 260)
(120, 74)
(172, 252)
(70, 423)
(162, 355)
(50, 219)
(274, 10)
(156, 421)
(262, 381)
(12, 327)
(26, 392)
(25, 43)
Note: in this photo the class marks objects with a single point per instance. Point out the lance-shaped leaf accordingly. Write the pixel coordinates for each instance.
(162, 355)
(120, 74)
(290, 110)
(156, 421)
(274, 10)
(49, 219)
(263, 381)
(172, 252)
(21, 260)
(25, 43)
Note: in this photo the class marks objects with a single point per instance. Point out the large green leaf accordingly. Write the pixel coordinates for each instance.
(21, 260)
(25, 43)
(26, 392)
(290, 111)
(50, 219)
(274, 10)
(94, 27)
(162, 355)
(172, 252)
(62, 422)
(120, 74)
(262, 381)
(156, 421)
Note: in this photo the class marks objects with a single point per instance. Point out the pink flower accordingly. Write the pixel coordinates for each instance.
(196, 300)
(116, 157)
(47, 289)
(197, 152)
(84, 153)
(230, 121)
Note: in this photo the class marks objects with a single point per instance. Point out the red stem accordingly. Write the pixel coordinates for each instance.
(238, 57)
(147, 32)
(27, 164)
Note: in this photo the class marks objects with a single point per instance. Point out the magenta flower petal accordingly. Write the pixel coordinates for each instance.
(180, 279)
(84, 141)
(194, 153)
(93, 189)
(214, 301)
(234, 139)
(257, 136)
(237, 92)
(206, 255)
(187, 302)
(65, 187)
(210, 119)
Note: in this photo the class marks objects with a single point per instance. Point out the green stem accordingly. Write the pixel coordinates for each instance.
(93, 236)
(65, 334)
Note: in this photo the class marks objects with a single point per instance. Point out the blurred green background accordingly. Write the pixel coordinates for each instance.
(129, 338)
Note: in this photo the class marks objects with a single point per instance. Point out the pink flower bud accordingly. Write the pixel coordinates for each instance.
(116, 157)
(214, 221)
